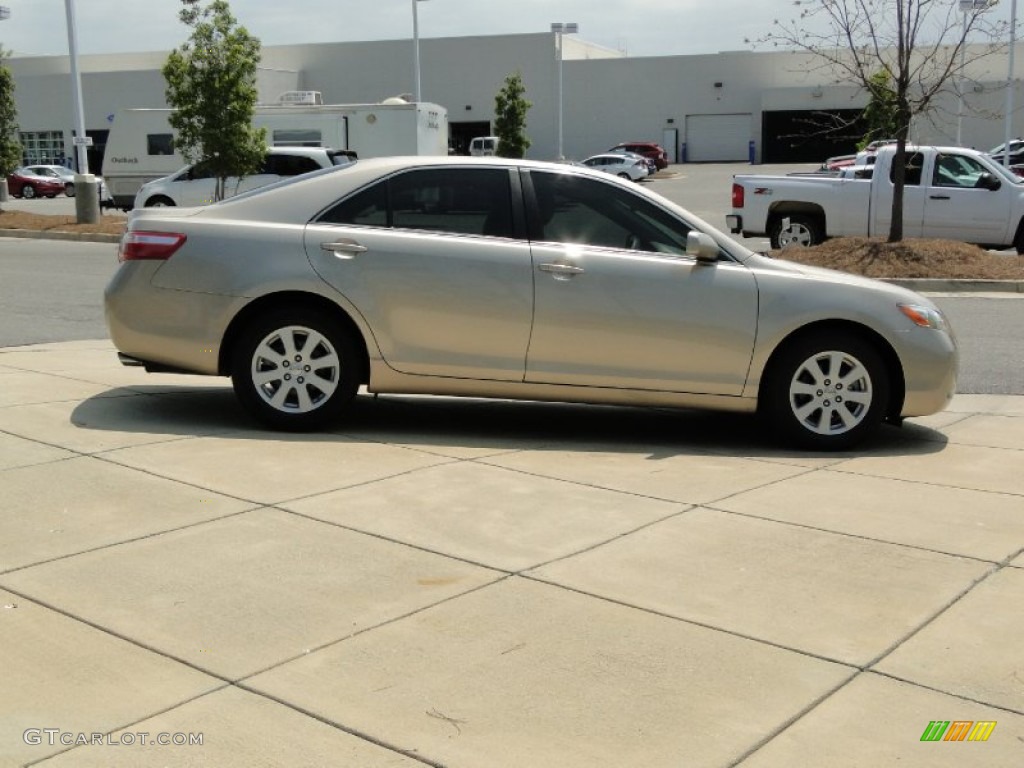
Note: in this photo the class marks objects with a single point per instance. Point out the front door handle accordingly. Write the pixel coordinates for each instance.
(344, 248)
(938, 197)
(561, 271)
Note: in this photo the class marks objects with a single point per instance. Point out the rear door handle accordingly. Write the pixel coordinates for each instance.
(561, 271)
(344, 249)
(938, 197)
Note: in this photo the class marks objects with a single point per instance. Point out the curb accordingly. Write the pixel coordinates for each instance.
(82, 237)
(933, 285)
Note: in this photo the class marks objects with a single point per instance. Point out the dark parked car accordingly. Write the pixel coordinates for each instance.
(648, 149)
(25, 183)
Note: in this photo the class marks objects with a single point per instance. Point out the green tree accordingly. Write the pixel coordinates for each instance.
(880, 113)
(10, 146)
(211, 84)
(510, 108)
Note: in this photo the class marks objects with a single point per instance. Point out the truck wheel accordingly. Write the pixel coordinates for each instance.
(295, 369)
(797, 229)
(826, 391)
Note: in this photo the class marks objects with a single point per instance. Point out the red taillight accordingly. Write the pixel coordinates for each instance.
(737, 195)
(137, 245)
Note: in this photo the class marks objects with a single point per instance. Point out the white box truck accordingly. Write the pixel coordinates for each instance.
(140, 145)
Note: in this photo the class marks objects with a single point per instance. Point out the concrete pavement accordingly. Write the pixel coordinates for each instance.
(470, 583)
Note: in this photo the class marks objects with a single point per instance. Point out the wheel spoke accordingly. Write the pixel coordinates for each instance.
(262, 378)
(305, 403)
(859, 397)
(803, 388)
(804, 412)
(850, 420)
(280, 397)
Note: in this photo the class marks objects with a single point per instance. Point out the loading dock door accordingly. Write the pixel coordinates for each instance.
(718, 138)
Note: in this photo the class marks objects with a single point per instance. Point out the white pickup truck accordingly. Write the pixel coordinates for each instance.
(950, 193)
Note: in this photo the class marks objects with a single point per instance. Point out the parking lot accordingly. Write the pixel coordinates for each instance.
(459, 582)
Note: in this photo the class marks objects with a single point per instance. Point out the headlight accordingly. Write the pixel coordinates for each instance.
(925, 317)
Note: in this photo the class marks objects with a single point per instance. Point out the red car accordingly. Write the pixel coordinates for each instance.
(648, 149)
(25, 183)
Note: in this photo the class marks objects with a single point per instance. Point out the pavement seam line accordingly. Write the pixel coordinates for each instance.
(847, 534)
(124, 542)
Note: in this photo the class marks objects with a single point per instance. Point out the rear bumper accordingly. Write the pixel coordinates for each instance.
(735, 223)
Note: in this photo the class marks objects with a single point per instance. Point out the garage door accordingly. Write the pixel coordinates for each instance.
(718, 138)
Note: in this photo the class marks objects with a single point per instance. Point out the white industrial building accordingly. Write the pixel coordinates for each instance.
(730, 106)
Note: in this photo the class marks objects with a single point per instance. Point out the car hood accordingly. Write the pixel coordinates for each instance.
(834, 277)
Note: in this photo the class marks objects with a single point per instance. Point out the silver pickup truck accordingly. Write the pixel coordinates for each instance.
(950, 192)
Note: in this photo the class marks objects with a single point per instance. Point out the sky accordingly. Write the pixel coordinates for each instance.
(639, 27)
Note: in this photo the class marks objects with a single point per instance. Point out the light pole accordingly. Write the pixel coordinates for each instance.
(966, 7)
(1009, 85)
(560, 29)
(87, 204)
(416, 47)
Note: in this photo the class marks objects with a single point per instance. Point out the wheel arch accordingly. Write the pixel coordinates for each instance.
(275, 301)
(893, 367)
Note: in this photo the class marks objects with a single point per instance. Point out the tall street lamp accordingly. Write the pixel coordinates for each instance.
(416, 47)
(1010, 85)
(966, 7)
(87, 204)
(560, 29)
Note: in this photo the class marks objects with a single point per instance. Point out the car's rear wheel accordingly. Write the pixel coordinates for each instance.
(827, 391)
(28, 191)
(295, 369)
(797, 230)
(624, 175)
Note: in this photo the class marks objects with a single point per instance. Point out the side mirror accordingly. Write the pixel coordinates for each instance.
(988, 181)
(702, 247)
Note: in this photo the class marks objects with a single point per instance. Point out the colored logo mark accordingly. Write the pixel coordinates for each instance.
(958, 730)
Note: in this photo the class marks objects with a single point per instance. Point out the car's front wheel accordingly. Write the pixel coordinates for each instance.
(69, 189)
(159, 201)
(28, 191)
(295, 369)
(827, 391)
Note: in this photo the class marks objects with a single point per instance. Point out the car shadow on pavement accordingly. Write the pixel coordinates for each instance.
(470, 423)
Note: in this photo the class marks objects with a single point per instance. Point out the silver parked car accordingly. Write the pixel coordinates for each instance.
(490, 277)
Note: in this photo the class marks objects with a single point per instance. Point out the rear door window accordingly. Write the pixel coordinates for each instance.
(467, 201)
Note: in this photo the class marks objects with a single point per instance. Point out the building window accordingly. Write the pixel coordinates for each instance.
(43, 148)
(160, 144)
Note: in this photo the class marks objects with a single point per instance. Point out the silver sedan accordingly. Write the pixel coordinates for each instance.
(488, 277)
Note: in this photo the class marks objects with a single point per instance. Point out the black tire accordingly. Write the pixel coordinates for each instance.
(159, 201)
(1018, 238)
(28, 191)
(69, 189)
(625, 176)
(826, 392)
(796, 229)
(313, 386)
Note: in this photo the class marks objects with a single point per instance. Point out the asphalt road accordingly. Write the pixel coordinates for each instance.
(53, 290)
